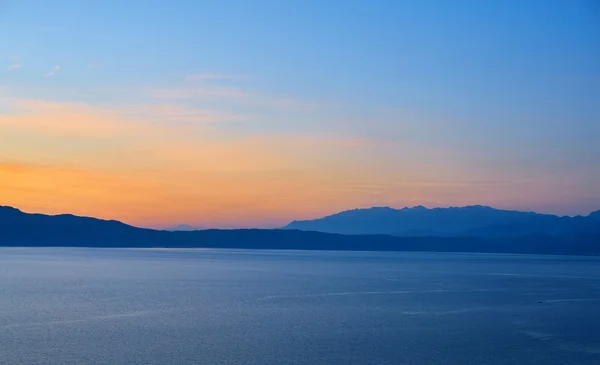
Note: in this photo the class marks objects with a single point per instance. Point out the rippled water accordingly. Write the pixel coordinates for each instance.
(105, 306)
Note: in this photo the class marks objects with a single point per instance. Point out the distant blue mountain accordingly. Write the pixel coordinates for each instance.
(38, 230)
(475, 221)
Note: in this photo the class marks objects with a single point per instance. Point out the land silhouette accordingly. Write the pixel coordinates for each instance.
(470, 221)
(467, 229)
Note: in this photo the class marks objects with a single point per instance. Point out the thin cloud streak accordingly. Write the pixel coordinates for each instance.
(53, 72)
(85, 119)
(16, 64)
(198, 93)
(236, 96)
(201, 88)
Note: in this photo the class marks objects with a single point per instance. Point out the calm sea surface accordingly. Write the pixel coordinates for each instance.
(109, 306)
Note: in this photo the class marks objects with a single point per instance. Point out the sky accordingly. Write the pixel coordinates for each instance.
(237, 113)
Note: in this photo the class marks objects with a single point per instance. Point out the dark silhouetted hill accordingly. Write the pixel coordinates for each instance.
(475, 221)
(38, 230)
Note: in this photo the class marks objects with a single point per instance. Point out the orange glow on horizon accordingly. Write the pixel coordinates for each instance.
(127, 164)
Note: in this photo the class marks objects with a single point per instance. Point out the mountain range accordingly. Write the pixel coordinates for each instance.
(471, 221)
(38, 230)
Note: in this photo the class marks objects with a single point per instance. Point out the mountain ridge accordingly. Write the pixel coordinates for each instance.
(19, 229)
(184, 227)
(474, 220)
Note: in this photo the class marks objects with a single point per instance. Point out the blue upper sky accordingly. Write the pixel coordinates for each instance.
(500, 93)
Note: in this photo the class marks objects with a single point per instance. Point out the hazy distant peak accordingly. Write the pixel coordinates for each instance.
(361, 211)
(371, 208)
(469, 207)
(477, 206)
(183, 227)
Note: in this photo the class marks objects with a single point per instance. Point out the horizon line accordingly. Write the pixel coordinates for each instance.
(167, 228)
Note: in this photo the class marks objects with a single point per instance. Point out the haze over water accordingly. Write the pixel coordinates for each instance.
(88, 306)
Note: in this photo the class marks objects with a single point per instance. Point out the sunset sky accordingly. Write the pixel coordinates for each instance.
(255, 113)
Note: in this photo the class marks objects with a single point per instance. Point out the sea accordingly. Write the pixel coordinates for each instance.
(151, 306)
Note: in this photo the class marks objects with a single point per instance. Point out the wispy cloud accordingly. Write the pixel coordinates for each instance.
(206, 88)
(53, 72)
(203, 93)
(16, 64)
(238, 96)
(174, 113)
(88, 120)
